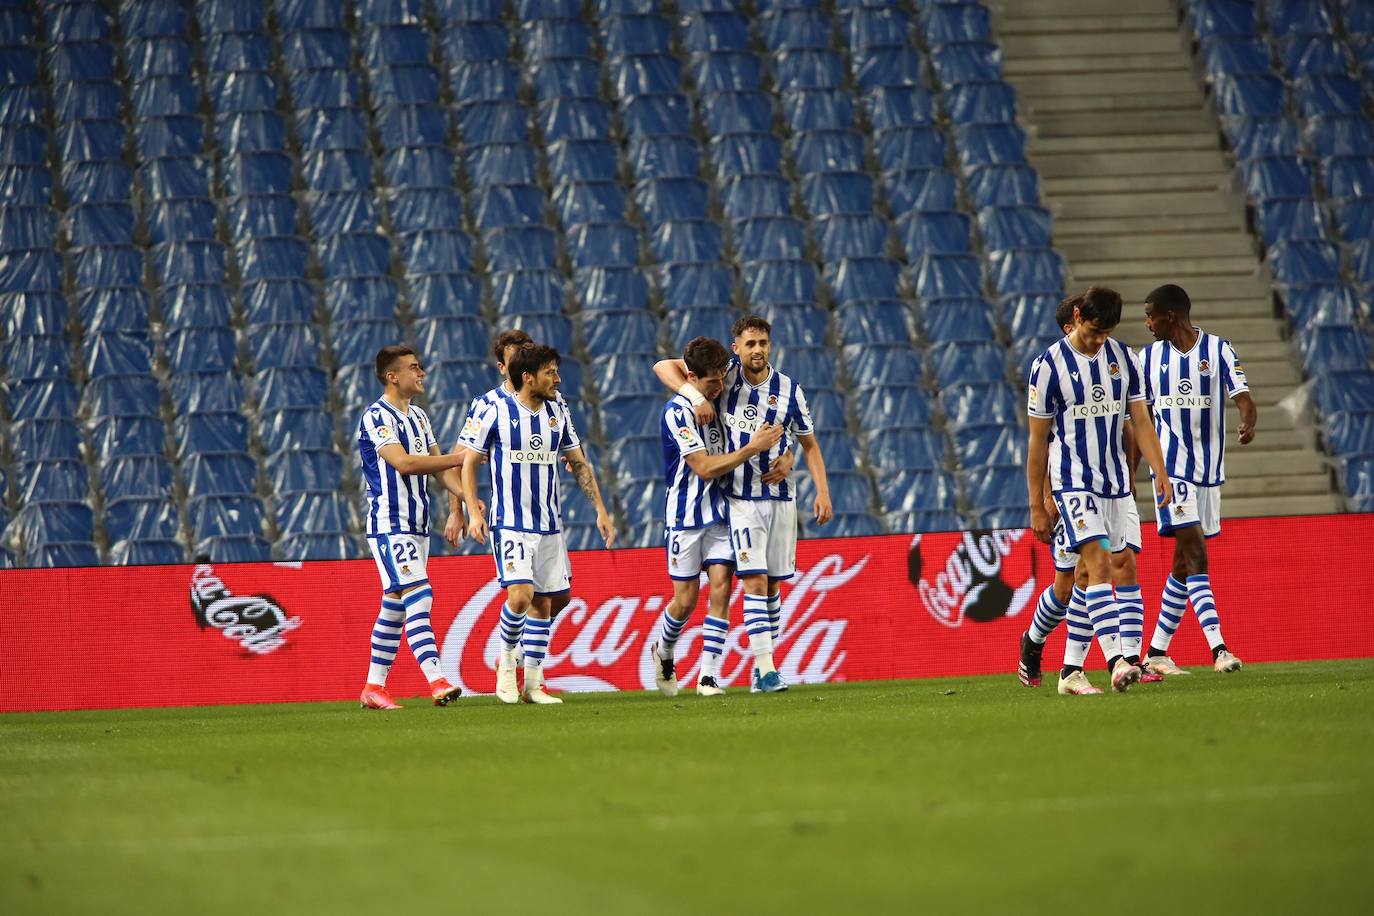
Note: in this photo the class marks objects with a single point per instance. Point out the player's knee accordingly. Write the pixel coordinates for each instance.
(1063, 587)
(1123, 567)
(756, 584)
(685, 594)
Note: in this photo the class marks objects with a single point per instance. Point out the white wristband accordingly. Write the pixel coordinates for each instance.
(689, 391)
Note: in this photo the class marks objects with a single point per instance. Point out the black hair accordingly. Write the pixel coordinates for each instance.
(388, 355)
(1101, 306)
(705, 355)
(1171, 298)
(529, 358)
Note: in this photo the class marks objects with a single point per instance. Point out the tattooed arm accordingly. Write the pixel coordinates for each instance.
(586, 479)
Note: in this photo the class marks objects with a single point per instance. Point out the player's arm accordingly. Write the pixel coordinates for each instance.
(709, 467)
(1051, 507)
(477, 514)
(1249, 416)
(406, 463)
(1132, 450)
(1037, 476)
(585, 476)
(673, 374)
(815, 464)
(1147, 440)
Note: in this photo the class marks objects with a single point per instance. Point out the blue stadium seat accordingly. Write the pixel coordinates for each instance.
(105, 310)
(210, 433)
(241, 46)
(283, 345)
(124, 435)
(818, 109)
(41, 523)
(900, 107)
(91, 141)
(42, 313)
(42, 399)
(316, 546)
(508, 205)
(135, 477)
(262, 216)
(1326, 348)
(419, 167)
(273, 258)
(63, 554)
(905, 448)
(546, 38)
(961, 362)
(189, 263)
(640, 458)
(1274, 176)
(297, 429)
(1031, 315)
(666, 114)
(840, 449)
(335, 170)
(709, 321)
(30, 270)
(614, 244)
(826, 150)
(632, 415)
(827, 408)
(31, 185)
(147, 553)
(24, 144)
(140, 519)
(356, 342)
(521, 248)
(250, 132)
(837, 192)
(266, 301)
(1232, 55)
(917, 491)
(948, 276)
(883, 364)
(625, 375)
(201, 349)
(988, 444)
(528, 291)
(485, 81)
(52, 480)
(493, 122)
(996, 487)
(1305, 262)
(566, 77)
(317, 513)
(767, 282)
(753, 196)
(414, 209)
(103, 267)
(1027, 270)
(1339, 135)
(102, 99)
(121, 395)
(178, 220)
(331, 129)
(245, 548)
(702, 284)
(1349, 177)
(1343, 391)
(573, 119)
(936, 232)
(338, 212)
(1350, 434)
(906, 149)
(664, 155)
(1313, 55)
(734, 155)
(992, 402)
(27, 227)
(725, 71)
(297, 387)
(796, 324)
(581, 160)
(920, 189)
(1290, 218)
(886, 321)
(807, 68)
(807, 365)
(851, 235)
(863, 279)
(1253, 138)
(1326, 95)
(357, 254)
(1002, 185)
(624, 331)
(45, 439)
(890, 66)
(769, 238)
(456, 337)
(36, 358)
(551, 328)
(665, 199)
(990, 144)
(1252, 95)
(444, 294)
(1015, 227)
(948, 320)
(589, 202)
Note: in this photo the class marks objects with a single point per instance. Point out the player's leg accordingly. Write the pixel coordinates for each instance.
(1179, 522)
(514, 569)
(1200, 583)
(716, 627)
(1072, 680)
(401, 565)
(781, 552)
(749, 538)
(1095, 527)
(386, 642)
(1126, 583)
(552, 579)
(684, 571)
(1050, 610)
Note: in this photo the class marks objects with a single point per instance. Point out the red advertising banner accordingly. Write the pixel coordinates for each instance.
(898, 606)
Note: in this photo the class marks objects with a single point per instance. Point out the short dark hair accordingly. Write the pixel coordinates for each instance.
(511, 338)
(1101, 306)
(751, 323)
(705, 355)
(1064, 313)
(529, 358)
(1171, 298)
(386, 356)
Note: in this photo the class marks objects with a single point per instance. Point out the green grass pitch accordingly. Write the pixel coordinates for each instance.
(1248, 793)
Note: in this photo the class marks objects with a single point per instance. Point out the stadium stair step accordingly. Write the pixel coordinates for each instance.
(1131, 164)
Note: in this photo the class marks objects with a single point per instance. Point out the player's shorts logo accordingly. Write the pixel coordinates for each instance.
(1185, 386)
(1099, 393)
(751, 412)
(1082, 523)
(536, 442)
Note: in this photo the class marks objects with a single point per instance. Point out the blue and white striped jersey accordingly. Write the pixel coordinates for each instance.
(1086, 398)
(1188, 392)
(692, 501)
(742, 408)
(495, 394)
(396, 503)
(523, 446)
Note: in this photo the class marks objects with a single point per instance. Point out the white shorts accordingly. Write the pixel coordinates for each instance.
(691, 550)
(401, 559)
(763, 533)
(1088, 517)
(1065, 560)
(528, 558)
(1192, 505)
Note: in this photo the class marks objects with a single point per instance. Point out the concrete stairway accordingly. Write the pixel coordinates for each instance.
(1130, 161)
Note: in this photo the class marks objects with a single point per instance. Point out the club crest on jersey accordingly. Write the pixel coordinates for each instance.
(553, 422)
(405, 570)
(1204, 367)
(772, 400)
(744, 556)
(1114, 370)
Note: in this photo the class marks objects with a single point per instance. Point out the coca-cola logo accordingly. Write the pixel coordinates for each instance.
(256, 622)
(984, 575)
(603, 644)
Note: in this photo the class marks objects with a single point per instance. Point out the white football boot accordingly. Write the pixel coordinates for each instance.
(1225, 663)
(507, 690)
(1124, 674)
(1077, 685)
(534, 689)
(665, 678)
(1164, 665)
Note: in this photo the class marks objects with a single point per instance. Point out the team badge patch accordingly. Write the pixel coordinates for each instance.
(553, 422)
(405, 570)
(470, 427)
(1204, 367)
(510, 567)
(684, 434)
(384, 432)
(744, 556)
(1082, 524)
(1114, 370)
(772, 400)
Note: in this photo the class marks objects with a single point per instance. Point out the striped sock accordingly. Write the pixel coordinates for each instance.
(713, 633)
(1080, 630)
(775, 615)
(760, 631)
(1205, 607)
(1048, 615)
(1132, 607)
(536, 641)
(512, 627)
(668, 634)
(1173, 604)
(1102, 611)
(386, 640)
(419, 634)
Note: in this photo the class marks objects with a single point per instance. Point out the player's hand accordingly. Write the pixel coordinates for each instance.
(1052, 509)
(606, 526)
(780, 468)
(1245, 433)
(1041, 525)
(453, 529)
(1164, 492)
(477, 528)
(822, 510)
(705, 413)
